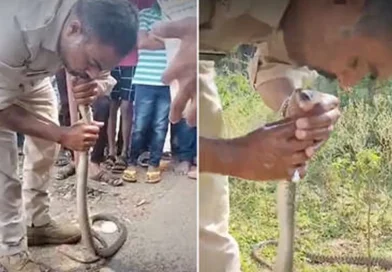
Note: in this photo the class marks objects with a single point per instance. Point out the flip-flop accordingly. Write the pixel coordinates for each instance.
(153, 176)
(103, 176)
(129, 174)
(120, 165)
(65, 172)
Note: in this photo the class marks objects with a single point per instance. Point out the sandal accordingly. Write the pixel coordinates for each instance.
(109, 163)
(120, 165)
(153, 175)
(65, 172)
(103, 176)
(143, 159)
(129, 174)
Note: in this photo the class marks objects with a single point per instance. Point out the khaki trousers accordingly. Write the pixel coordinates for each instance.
(218, 251)
(40, 99)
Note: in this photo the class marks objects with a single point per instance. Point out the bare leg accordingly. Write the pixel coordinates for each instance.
(126, 116)
(93, 169)
(112, 123)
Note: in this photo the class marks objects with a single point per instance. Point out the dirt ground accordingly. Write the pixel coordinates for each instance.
(161, 222)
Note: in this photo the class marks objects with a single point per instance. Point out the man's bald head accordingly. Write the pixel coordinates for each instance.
(376, 19)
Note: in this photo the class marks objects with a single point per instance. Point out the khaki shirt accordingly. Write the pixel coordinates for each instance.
(30, 31)
(225, 24)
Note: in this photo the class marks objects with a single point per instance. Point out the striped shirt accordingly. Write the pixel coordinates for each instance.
(152, 63)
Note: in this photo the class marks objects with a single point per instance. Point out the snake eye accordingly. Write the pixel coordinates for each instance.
(305, 95)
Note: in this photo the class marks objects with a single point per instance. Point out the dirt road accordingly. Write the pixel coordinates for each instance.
(161, 221)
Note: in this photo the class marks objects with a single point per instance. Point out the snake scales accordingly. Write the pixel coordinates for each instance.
(286, 217)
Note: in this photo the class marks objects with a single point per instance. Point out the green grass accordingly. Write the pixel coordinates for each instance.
(346, 194)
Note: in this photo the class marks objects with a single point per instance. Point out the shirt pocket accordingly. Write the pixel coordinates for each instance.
(10, 76)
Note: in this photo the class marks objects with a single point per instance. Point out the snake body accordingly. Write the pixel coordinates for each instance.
(88, 234)
(286, 217)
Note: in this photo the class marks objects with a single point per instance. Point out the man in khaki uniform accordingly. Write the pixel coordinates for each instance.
(332, 36)
(38, 38)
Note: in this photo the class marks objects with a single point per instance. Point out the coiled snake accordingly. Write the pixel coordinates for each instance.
(91, 252)
(286, 217)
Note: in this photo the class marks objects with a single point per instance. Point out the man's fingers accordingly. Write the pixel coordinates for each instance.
(179, 68)
(178, 106)
(314, 134)
(91, 129)
(285, 130)
(302, 170)
(176, 29)
(312, 149)
(299, 158)
(90, 137)
(86, 94)
(324, 120)
(85, 86)
(181, 99)
(191, 116)
(90, 142)
(296, 145)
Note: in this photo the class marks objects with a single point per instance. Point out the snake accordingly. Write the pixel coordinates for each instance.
(286, 202)
(88, 235)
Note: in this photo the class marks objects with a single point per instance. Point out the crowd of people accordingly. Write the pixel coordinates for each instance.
(135, 113)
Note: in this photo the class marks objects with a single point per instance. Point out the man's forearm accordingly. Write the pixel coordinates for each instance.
(275, 92)
(218, 156)
(19, 120)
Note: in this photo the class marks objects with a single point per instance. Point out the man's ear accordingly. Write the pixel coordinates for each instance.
(74, 27)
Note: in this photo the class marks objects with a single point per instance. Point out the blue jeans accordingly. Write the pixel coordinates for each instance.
(152, 106)
(183, 141)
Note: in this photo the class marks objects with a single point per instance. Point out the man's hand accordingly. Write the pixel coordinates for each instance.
(272, 153)
(80, 137)
(319, 112)
(268, 153)
(85, 92)
(183, 67)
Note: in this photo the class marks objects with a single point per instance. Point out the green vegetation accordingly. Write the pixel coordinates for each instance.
(344, 204)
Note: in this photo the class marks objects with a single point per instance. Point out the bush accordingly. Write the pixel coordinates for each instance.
(344, 202)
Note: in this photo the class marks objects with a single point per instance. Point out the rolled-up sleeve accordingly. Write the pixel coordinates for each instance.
(264, 67)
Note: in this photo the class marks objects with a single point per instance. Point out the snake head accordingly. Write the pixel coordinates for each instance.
(304, 95)
(298, 98)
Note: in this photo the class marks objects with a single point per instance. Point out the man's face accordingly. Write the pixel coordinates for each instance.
(359, 57)
(83, 57)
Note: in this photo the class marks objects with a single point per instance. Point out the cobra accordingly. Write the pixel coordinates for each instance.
(286, 201)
